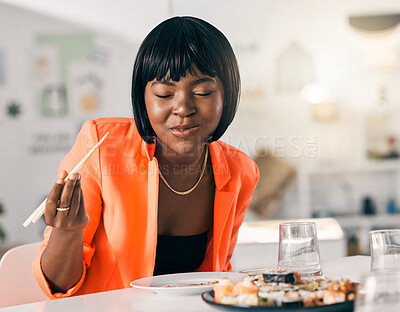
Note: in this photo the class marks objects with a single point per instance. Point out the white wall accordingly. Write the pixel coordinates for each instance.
(26, 178)
(129, 19)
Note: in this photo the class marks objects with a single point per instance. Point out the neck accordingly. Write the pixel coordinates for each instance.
(183, 175)
(168, 157)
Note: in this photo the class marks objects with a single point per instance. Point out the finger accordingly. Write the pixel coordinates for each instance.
(66, 195)
(76, 197)
(54, 197)
(62, 175)
(82, 215)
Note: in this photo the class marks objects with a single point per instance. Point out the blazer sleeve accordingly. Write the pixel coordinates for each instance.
(91, 189)
(248, 185)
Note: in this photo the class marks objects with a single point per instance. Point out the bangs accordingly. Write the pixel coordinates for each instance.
(176, 53)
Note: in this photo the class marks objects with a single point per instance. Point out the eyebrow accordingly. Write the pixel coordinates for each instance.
(164, 82)
(201, 80)
(193, 83)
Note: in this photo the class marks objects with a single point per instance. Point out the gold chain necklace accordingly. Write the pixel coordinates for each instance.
(194, 186)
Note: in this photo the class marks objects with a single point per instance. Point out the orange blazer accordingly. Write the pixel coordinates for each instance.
(120, 188)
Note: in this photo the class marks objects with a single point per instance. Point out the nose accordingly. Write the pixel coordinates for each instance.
(184, 106)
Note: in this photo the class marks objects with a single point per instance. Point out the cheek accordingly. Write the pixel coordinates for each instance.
(216, 112)
(219, 107)
(155, 111)
(218, 103)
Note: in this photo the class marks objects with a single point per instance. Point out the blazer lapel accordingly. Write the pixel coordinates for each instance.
(223, 204)
(152, 208)
(222, 215)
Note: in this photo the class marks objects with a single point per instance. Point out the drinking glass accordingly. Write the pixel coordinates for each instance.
(299, 250)
(385, 251)
(378, 293)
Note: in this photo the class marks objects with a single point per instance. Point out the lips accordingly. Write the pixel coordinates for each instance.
(183, 131)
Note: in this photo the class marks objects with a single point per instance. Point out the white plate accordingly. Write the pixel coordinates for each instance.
(184, 283)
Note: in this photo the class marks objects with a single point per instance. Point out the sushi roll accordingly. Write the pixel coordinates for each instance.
(331, 297)
(275, 298)
(223, 288)
(315, 298)
(229, 299)
(246, 292)
(279, 276)
(292, 303)
(244, 287)
(263, 299)
(253, 274)
(292, 299)
(248, 299)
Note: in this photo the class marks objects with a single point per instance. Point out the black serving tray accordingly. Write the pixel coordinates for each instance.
(347, 306)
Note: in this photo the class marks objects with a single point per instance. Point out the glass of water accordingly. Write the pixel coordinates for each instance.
(299, 249)
(385, 251)
(378, 293)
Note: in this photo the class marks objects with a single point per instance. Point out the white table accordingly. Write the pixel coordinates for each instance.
(136, 300)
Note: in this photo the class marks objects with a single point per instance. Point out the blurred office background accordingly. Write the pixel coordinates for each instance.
(320, 106)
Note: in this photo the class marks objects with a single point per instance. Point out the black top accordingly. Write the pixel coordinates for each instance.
(179, 254)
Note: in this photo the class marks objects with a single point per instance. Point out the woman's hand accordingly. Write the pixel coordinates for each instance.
(64, 195)
(62, 259)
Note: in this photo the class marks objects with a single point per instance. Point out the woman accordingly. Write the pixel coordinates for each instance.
(115, 222)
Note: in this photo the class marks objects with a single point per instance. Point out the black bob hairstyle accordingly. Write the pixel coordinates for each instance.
(169, 51)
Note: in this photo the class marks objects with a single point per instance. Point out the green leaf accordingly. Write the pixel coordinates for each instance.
(2, 234)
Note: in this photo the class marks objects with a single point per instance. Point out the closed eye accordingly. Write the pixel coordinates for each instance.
(205, 93)
(163, 96)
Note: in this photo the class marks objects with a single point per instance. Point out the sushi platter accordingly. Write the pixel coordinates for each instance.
(282, 290)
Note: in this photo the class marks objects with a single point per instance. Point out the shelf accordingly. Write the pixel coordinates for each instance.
(378, 178)
(363, 224)
(370, 221)
(362, 167)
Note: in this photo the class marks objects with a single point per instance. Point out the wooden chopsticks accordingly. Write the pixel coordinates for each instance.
(35, 216)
